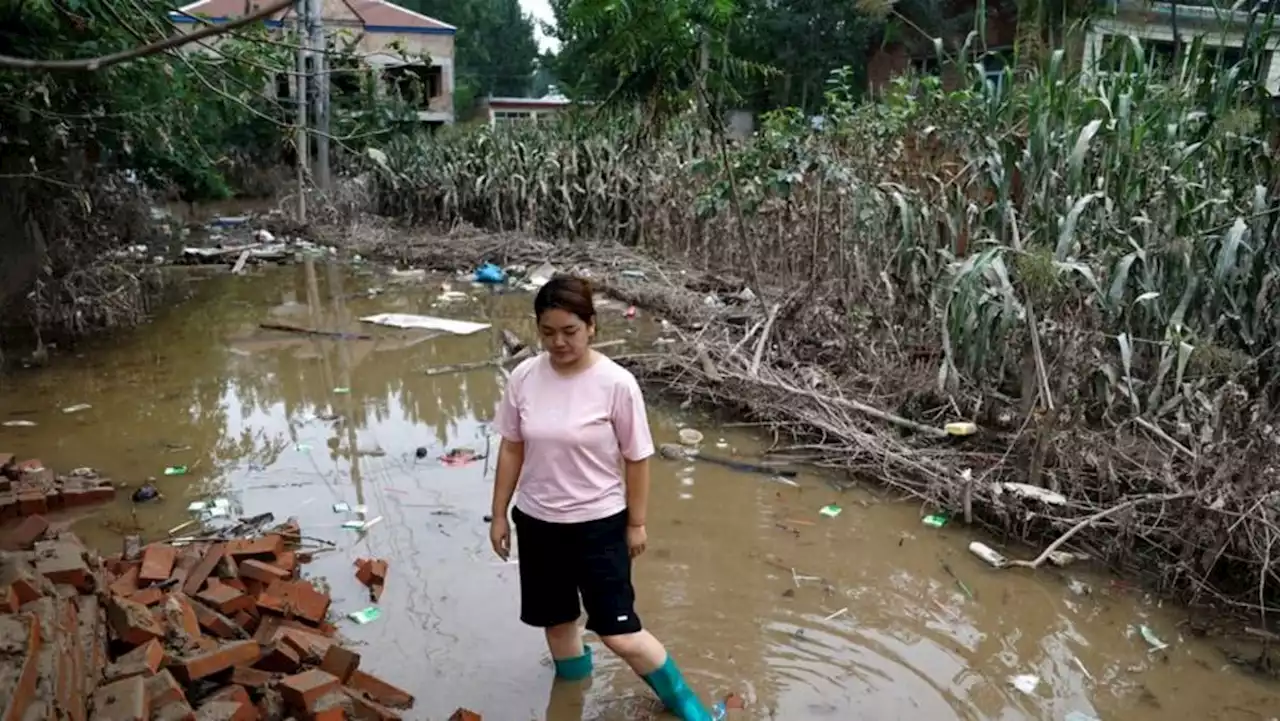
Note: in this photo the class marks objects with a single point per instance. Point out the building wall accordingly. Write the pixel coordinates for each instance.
(893, 60)
(1160, 29)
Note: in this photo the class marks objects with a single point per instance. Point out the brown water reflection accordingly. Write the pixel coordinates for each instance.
(850, 617)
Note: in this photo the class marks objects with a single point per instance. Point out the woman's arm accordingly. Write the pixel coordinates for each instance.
(510, 459)
(637, 477)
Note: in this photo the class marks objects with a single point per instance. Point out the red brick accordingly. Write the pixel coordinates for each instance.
(149, 596)
(379, 690)
(340, 662)
(92, 633)
(225, 599)
(225, 711)
(32, 503)
(126, 584)
(333, 706)
(364, 709)
(250, 677)
(301, 691)
(238, 653)
(17, 580)
(124, 700)
(63, 562)
(132, 622)
(181, 614)
(216, 623)
(144, 660)
(295, 598)
(463, 714)
(234, 693)
(163, 689)
(279, 658)
(178, 710)
(267, 546)
(245, 620)
(8, 507)
(24, 536)
(157, 562)
(200, 572)
(101, 493)
(18, 690)
(263, 572)
(371, 570)
(287, 561)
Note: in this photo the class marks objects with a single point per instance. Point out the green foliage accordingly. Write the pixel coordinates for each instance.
(495, 48)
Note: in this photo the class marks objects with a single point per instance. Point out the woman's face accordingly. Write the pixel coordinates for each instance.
(565, 336)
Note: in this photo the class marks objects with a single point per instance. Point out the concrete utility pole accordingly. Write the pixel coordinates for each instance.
(300, 15)
(320, 94)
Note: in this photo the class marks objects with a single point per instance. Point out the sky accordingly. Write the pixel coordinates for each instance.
(540, 10)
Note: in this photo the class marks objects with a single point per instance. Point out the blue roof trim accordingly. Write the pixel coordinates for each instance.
(396, 29)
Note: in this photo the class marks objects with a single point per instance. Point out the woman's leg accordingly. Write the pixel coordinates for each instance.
(549, 592)
(609, 598)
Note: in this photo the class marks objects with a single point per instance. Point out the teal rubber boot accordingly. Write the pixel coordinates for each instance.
(668, 683)
(576, 668)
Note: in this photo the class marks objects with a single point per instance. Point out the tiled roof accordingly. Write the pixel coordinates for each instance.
(371, 12)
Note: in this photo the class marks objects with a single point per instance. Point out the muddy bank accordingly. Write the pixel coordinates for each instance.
(794, 359)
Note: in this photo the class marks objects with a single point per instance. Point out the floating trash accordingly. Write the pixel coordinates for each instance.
(934, 521)
(1026, 683)
(175, 470)
(365, 615)
(961, 428)
(19, 424)
(77, 408)
(988, 554)
(690, 436)
(830, 511)
(341, 508)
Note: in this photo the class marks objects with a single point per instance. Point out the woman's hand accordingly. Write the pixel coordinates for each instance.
(500, 537)
(637, 540)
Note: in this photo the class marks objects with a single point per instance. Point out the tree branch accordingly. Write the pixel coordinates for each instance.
(169, 43)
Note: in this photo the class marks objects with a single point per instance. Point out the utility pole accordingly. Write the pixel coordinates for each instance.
(320, 94)
(302, 137)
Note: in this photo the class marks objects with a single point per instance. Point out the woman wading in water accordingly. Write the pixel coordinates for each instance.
(576, 442)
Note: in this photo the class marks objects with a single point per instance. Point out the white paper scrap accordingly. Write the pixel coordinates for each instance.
(425, 322)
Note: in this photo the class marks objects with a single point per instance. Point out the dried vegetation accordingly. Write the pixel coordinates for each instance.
(1090, 272)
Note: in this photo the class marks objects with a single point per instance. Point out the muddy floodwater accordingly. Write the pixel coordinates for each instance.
(866, 615)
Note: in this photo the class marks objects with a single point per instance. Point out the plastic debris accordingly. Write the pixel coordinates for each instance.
(934, 520)
(362, 525)
(341, 508)
(77, 408)
(1026, 683)
(197, 507)
(490, 274)
(631, 312)
(19, 424)
(459, 457)
(690, 436)
(425, 322)
(1151, 638)
(1080, 716)
(146, 493)
(988, 554)
(961, 428)
(636, 274)
(342, 390)
(1026, 490)
(420, 452)
(175, 470)
(365, 615)
(830, 511)
(539, 276)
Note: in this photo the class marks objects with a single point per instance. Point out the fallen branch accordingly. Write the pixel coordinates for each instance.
(176, 40)
(341, 335)
(503, 362)
(764, 339)
(1086, 522)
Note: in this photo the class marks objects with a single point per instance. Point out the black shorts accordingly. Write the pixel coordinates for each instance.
(560, 560)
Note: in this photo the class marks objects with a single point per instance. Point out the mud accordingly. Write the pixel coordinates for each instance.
(867, 615)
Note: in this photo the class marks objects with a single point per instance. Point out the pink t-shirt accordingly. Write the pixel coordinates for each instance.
(576, 432)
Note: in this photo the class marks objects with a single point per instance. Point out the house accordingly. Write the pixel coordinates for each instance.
(1151, 23)
(911, 52)
(388, 39)
(1223, 31)
(496, 111)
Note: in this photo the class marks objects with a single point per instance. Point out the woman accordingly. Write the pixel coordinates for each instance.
(575, 440)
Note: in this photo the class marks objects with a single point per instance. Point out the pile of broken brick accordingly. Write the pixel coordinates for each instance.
(28, 488)
(223, 630)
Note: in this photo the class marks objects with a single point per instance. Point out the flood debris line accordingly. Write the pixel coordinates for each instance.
(865, 398)
(220, 630)
(678, 452)
(28, 488)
